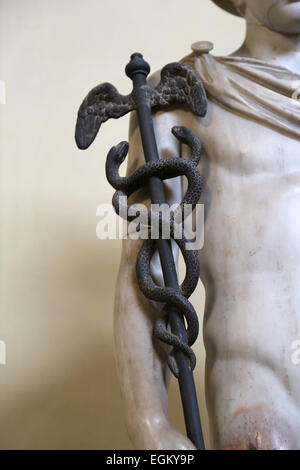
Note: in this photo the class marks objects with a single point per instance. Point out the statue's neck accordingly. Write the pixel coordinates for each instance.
(275, 48)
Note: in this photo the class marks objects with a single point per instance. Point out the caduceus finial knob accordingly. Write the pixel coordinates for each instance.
(137, 64)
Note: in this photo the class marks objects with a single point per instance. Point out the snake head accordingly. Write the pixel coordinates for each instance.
(186, 136)
(115, 158)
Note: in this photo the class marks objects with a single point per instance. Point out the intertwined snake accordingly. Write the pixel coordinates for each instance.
(164, 168)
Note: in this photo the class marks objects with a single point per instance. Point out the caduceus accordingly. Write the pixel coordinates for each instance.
(179, 85)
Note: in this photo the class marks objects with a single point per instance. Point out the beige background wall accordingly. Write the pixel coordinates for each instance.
(59, 387)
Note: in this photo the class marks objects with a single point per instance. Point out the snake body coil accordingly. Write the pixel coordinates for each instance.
(176, 299)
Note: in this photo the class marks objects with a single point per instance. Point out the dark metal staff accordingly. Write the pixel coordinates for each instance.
(179, 85)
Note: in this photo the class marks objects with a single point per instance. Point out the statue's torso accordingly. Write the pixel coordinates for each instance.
(250, 267)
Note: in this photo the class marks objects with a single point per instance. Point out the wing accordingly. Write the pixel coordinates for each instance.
(102, 103)
(180, 84)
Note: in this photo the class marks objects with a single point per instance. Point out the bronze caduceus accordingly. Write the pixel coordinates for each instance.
(179, 85)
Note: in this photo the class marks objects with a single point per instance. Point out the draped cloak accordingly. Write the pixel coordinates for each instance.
(265, 93)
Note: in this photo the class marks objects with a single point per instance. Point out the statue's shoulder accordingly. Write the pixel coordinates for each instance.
(198, 48)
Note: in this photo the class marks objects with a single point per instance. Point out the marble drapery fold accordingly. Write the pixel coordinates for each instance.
(252, 88)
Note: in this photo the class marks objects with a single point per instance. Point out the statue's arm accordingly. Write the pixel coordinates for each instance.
(141, 361)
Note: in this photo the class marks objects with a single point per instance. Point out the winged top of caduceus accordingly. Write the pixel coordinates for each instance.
(179, 84)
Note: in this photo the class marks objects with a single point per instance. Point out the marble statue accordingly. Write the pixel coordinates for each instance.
(250, 262)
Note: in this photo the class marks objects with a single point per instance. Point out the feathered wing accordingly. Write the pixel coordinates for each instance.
(180, 84)
(102, 103)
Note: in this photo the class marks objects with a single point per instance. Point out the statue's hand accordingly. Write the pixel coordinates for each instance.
(158, 434)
